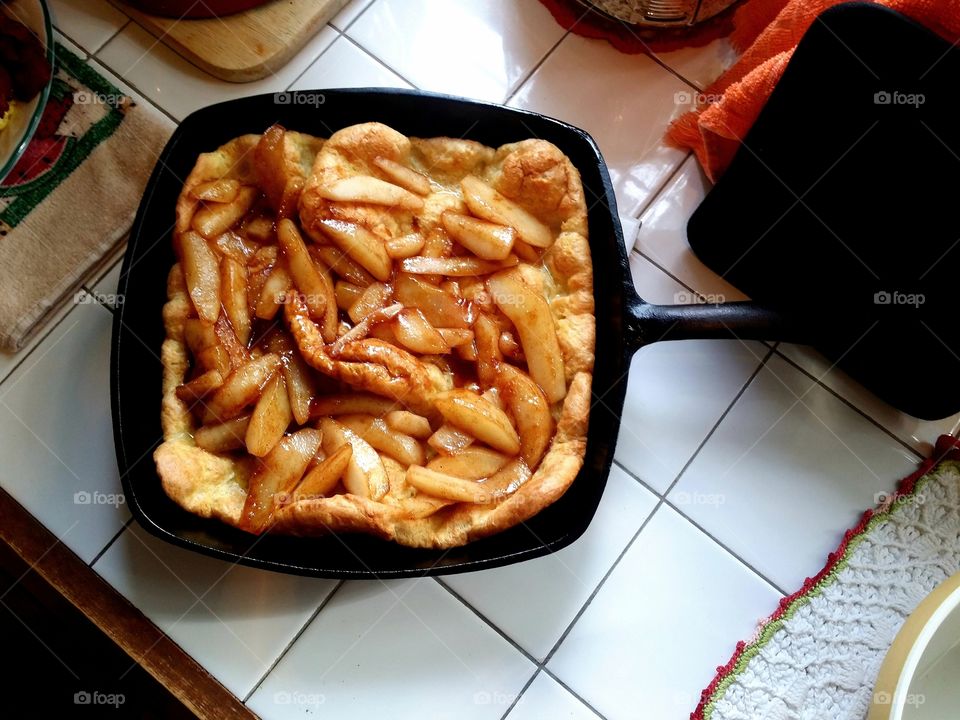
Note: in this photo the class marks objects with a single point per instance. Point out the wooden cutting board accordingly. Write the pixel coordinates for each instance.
(243, 47)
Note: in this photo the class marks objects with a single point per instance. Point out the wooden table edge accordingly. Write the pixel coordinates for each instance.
(115, 616)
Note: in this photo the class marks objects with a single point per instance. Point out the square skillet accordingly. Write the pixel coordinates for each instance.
(138, 333)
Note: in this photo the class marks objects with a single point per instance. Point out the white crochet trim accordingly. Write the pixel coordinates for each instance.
(823, 662)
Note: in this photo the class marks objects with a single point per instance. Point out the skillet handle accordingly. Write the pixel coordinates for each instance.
(744, 320)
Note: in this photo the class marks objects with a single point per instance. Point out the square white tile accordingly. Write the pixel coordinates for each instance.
(234, 620)
(919, 434)
(89, 23)
(663, 234)
(533, 602)
(179, 87)
(400, 649)
(671, 611)
(623, 101)
(546, 698)
(346, 65)
(56, 435)
(350, 12)
(475, 48)
(782, 478)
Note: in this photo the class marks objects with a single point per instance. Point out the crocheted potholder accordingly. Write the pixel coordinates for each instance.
(817, 657)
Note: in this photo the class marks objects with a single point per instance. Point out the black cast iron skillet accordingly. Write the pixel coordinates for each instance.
(624, 324)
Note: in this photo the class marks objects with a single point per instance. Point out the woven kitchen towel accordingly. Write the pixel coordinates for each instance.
(766, 32)
(817, 657)
(71, 198)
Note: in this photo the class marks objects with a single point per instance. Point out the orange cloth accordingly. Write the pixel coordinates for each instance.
(766, 33)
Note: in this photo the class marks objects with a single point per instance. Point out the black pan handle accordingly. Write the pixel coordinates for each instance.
(647, 323)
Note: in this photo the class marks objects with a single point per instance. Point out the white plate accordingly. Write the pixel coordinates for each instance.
(918, 678)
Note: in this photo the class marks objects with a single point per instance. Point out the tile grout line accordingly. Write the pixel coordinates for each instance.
(93, 296)
(303, 628)
(112, 36)
(523, 81)
(487, 621)
(541, 665)
(84, 50)
(603, 580)
(41, 339)
(713, 430)
(849, 404)
(343, 30)
(377, 59)
(319, 55)
(110, 542)
(660, 267)
(657, 193)
(552, 675)
(730, 551)
(135, 88)
(519, 695)
(670, 504)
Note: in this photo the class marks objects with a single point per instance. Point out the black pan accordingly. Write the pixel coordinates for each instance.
(624, 324)
(841, 204)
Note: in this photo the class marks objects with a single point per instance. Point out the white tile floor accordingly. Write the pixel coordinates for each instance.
(764, 455)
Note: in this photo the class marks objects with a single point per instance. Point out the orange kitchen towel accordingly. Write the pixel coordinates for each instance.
(766, 32)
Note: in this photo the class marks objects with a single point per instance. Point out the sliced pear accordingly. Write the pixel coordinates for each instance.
(368, 189)
(360, 245)
(487, 203)
(365, 475)
(403, 176)
(480, 417)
